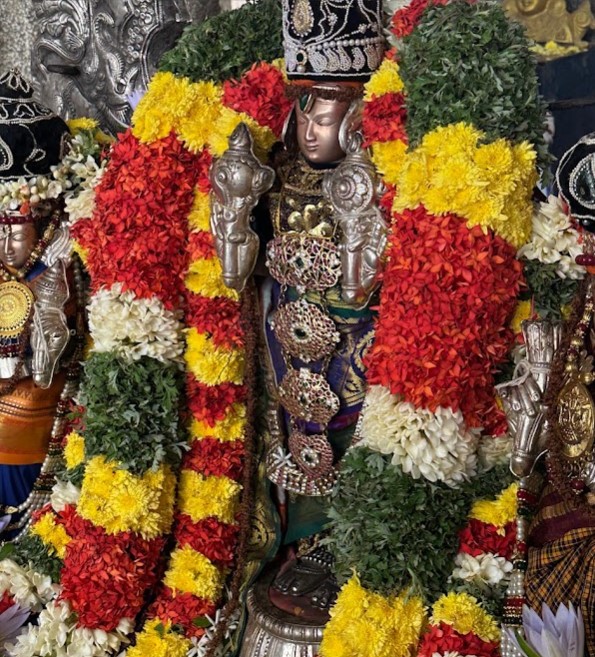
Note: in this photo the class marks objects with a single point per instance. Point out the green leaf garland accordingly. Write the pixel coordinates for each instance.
(396, 531)
(132, 411)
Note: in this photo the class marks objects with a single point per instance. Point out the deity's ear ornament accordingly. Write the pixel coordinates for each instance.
(576, 181)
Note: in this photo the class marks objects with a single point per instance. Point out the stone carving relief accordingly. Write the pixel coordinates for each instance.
(89, 55)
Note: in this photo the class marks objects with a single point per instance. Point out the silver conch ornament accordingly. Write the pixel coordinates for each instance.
(50, 332)
(522, 397)
(352, 189)
(239, 180)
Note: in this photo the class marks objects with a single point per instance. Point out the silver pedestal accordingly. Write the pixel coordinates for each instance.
(274, 633)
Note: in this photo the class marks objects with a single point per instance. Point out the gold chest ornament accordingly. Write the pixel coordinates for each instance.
(16, 302)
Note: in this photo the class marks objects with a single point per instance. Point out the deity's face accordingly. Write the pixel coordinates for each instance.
(17, 241)
(318, 125)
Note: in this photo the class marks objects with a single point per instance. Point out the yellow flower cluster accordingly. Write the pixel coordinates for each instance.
(191, 572)
(384, 81)
(231, 427)
(211, 364)
(194, 111)
(463, 612)
(74, 450)
(497, 512)
(119, 501)
(521, 313)
(158, 640)
(489, 185)
(54, 536)
(388, 158)
(82, 123)
(205, 277)
(369, 625)
(82, 253)
(199, 217)
(201, 497)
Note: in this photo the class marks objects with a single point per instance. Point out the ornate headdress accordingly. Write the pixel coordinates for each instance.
(32, 138)
(576, 181)
(338, 40)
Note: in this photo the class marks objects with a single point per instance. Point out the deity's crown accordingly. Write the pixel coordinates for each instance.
(576, 181)
(338, 40)
(32, 137)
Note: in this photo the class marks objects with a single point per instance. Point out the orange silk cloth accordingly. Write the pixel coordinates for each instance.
(26, 419)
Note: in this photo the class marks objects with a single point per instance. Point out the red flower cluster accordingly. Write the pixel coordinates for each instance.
(384, 118)
(212, 457)
(6, 602)
(182, 609)
(200, 245)
(260, 93)
(405, 20)
(448, 295)
(211, 537)
(210, 403)
(442, 638)
(479, 538)
(219, 317)
(203, 181)
(105, 577)
(138, 234)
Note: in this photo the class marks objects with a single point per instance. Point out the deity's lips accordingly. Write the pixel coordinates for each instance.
(585, 259)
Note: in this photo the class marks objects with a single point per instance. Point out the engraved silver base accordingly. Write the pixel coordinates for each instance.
(274, 633)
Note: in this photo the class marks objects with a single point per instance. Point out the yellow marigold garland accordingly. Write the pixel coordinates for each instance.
(199, 217)
(158, 640)
(205, 278)
(211, 364)
(385, 80)
(389, 158)
(367, 624)
(230, 428)
(498, 512)
(54, 536)
(487, 184)
(119, 501)
(463, 612)
(191, 572)
(201, 497)
(74, 450)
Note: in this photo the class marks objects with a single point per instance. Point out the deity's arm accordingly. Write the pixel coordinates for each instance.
(353, 189)
(239, 180)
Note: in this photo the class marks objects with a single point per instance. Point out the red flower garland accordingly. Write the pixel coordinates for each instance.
(448, 295)
(218, 317)
(480, 538)
(405, 20)
(182, 609)
(211, 537)
(260, 93)
(138, 236)
(210, 403)
(383, 119)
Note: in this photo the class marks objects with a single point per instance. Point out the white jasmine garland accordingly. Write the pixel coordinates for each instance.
(81, 204)
(133, 328)
(63, 494)
(554, 240)
(437, 446)
(485, 568)
(29, 588)
(201, 644)
(57, 635)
